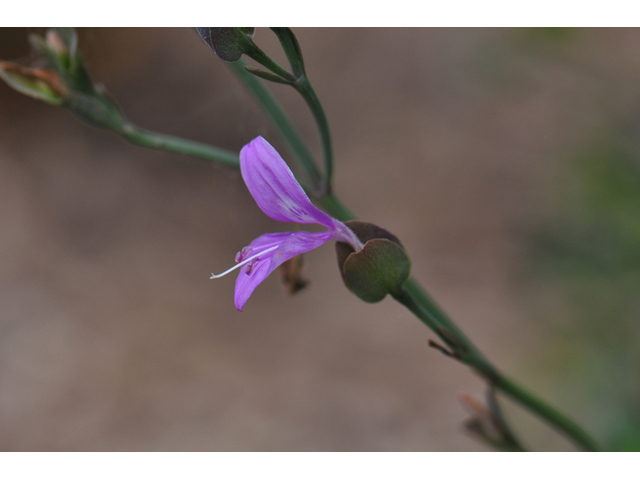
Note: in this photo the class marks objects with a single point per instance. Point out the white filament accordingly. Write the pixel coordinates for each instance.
(242, 263)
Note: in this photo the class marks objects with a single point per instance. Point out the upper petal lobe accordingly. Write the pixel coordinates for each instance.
(274, 188)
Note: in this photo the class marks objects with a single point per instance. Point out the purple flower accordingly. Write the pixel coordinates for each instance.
(280, 196)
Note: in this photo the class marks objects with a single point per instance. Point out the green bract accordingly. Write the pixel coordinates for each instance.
(380, 268)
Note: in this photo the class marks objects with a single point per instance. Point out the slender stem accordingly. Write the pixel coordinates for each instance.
(467, 353)
(511, 441)
(291, 49)
(546, 411)
(418, 310)
(263, 59)
(158, 141)
(336, 208)
(303, 86)
(462, 348)
(273, 110)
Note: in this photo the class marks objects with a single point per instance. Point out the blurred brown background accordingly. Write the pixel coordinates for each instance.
(505, 160)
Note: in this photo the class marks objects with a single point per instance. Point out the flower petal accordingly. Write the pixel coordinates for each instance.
(288, 245)
(274, 188)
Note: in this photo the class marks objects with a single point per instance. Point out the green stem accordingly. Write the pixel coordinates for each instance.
(335, 207)
(546, 411)
(461, 347)
(291, 137)
(157, 141)
(254, 52)
(510, 440)
(303, 86)
(420, 305)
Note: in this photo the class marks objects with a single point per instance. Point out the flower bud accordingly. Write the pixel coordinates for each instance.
(380, 268)
(63, 80)
(59, 48)
(40, 84)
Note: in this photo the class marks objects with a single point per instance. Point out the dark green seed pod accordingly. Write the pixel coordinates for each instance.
(228, 43)
(380, 268)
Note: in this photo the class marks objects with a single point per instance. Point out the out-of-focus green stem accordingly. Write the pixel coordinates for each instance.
(301, 83)
(335, 207)
(303, 86)
(416, 300)
(290, 135)
(556, 419)
(158, 141)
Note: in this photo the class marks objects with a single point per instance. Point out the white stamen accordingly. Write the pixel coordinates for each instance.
(243, 262)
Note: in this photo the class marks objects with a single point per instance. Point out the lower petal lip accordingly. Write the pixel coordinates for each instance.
(292, 244)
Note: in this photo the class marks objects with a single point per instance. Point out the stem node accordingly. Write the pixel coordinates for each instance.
(437, 346)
